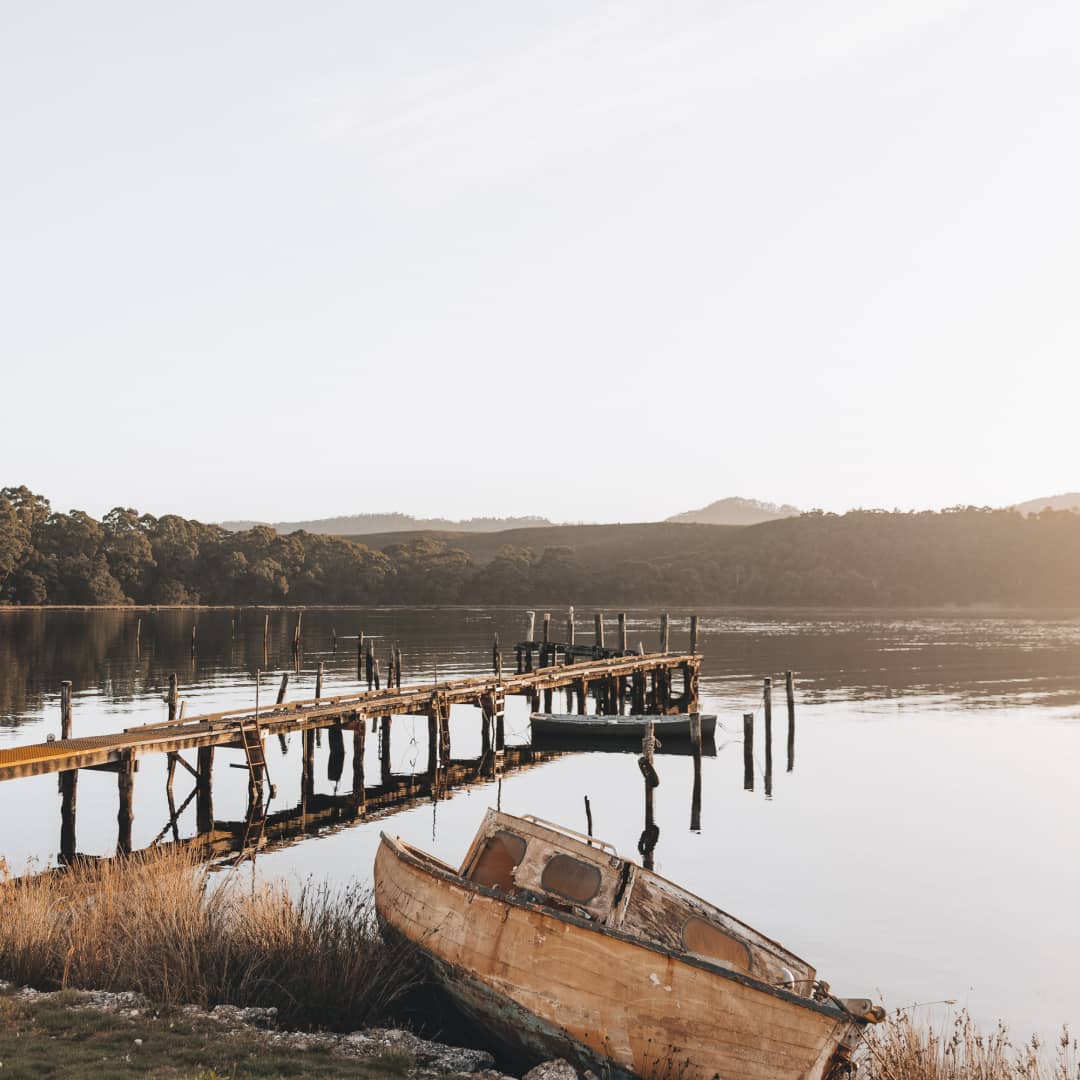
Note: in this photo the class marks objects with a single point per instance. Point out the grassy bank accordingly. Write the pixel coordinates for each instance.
(162, 925)
(60, 1037)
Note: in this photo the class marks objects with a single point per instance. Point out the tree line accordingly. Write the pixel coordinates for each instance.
(963, 556)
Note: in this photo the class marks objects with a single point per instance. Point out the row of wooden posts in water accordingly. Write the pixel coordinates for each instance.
(542, 666)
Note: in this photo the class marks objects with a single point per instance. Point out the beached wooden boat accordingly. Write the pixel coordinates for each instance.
(572, 726)
(557, 947)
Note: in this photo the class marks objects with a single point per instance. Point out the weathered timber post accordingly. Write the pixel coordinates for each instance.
(500, 721)
(282, 741)
(173, 697)
(333, 640)
(487, 722)
(125, 783)
(384, 751)
(335, 737)
(307, 769)
(296, 644)
(665, 632)
(266, 632)
(204, 797)
(588, 816)
(622, 632)
(547, 700)
(433, 741)
(748, 750)
(790, 687)
(768, 738)
(375, 672)
(138, 637)
(530, 626)
(397, 667)
(444, 734)
(598, 630)
(520, 660)
(369, 663)
(68, 780)
(360, 656)
(570, 628)
(359, 736)
(319, 680)
(547, 631)
(193, 627)
(695, 794)
(693, 633)
(528, 659)
(496, 659)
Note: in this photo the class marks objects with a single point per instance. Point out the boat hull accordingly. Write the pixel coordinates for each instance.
(542, 984)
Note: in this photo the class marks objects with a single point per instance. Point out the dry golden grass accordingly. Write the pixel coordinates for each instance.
(903, 1049)
(161, 924)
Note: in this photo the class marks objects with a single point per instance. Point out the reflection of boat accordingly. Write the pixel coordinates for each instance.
(556, 946)
(571, 726)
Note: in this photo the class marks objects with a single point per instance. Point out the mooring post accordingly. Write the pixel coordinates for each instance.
(125, 786)
(693, 633)
(359, 736)
(68, 780)
(369, 663)
(622, 632)
(570, 628)
(790, 687)
(173, 697)
(319, 680)
(204, 797)
(665, 632)
(748, 750)
(397, 667)
(598, 629)
(768, 738)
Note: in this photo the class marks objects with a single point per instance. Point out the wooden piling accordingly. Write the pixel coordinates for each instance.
(375, 673)
(204, 798)
(530, 626)
(125, 782)
(193, 628)
(622, 632)
(319, 680)
(138, 637)
(693, 633)
(282, 688)
(173, 696)
(547, 627)
(665, 632)
(359, 736)
(790, 687)
(68, 780)
(588, 816)
(570, 628)
(360, 656)
(266, 632)
(768, 738)
(748, 751)
(369, 663)
(496, 659)
(598, 629)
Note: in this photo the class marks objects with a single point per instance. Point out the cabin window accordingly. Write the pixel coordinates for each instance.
(709, 941)
(572, 878)
(494, 867)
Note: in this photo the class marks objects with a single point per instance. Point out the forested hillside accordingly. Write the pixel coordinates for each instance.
(962, 556)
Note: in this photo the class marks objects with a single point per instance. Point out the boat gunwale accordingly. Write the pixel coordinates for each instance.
(405, 852)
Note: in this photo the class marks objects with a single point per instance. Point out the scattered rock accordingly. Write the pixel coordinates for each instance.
(558, 1069)
(251, 1016)
(428, 1055)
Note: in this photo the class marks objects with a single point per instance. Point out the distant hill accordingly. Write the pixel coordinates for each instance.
(1055, 502)
(365, 524)
(736, 511)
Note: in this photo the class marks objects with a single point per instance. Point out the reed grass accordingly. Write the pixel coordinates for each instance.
(903, 1048)
(161, 924)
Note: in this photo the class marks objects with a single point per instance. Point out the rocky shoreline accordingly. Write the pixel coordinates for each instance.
(421, 1059)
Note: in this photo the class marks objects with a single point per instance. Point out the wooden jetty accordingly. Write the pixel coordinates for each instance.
(618, 679)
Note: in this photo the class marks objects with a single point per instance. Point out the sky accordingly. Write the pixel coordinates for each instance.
(597, 262)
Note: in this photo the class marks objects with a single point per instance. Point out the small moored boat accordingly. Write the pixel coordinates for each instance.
(570, 726)
(557, 947)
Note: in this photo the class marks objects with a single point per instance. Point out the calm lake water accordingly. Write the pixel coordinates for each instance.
(925, 846)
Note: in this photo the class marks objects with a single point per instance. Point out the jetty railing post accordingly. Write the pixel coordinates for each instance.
(768, 738)
(622, 632)
(68, 780)
(790, 687)
(748, 751)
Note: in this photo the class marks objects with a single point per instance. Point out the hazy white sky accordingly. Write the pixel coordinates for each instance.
(604, 262)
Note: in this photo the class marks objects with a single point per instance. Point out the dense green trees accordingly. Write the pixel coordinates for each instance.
(963, 556)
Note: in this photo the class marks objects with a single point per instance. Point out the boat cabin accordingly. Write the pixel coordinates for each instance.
(533, 860)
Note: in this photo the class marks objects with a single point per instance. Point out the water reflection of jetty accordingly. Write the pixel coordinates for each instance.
(617, 679)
